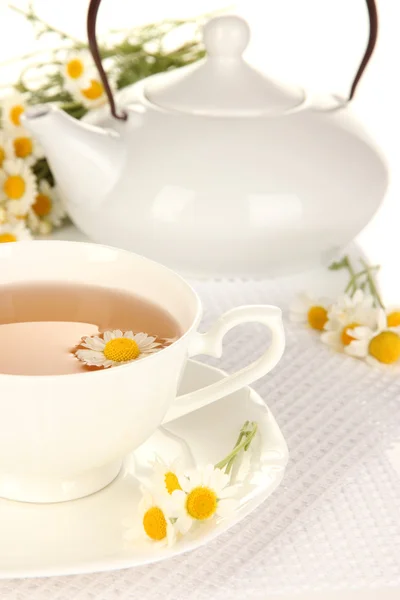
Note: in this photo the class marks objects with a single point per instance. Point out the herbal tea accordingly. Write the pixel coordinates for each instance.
(42, 326)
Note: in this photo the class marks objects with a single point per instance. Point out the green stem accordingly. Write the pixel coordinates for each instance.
(243, 442)
(356, 276)
(371, 283)
(31, 16)
(352, 274)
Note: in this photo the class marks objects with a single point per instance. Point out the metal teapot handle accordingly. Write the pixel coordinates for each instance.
(373, 34)
(94, 49)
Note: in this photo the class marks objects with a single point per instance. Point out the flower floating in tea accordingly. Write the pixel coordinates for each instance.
(357, 323)
(115, 348)
(179, 500)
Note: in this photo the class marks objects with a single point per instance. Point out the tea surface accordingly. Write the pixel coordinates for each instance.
(41, 324)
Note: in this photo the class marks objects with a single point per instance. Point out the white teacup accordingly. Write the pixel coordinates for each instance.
(65, 436)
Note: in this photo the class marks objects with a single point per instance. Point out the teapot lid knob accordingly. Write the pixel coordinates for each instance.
(226, 36)
(223, 83)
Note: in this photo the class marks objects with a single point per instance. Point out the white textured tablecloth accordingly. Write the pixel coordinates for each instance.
(335, 521)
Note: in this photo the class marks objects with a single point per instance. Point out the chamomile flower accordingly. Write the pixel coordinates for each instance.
(25, 146)
(6, 148)
(12, 108)
(311, 311)
(14, 232)
(393, 316)
(92, 94)
(339, 328)
(17, 187)
(47, 209)
(205, 493)
(76, 69)
(116, 348)
(166, 476)
(359, 303)
(153, 521)
(379, 346)
(167, 341)
(345, 315)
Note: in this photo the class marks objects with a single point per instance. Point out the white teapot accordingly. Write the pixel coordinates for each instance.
(216, 170)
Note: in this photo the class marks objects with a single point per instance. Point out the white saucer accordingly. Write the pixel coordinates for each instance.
(86, 535)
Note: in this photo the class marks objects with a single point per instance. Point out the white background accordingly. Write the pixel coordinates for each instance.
(314, 43)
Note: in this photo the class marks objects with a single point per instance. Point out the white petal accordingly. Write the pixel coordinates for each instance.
(110, 363)
(362, 333)
(93, 343)
(186, 483)
(171, 534)
(227, 507)
(178, 503)
(117, 333)
(196, 478)
(91, 357)
(206, 475)
(357, 348)
(332, 324)
(332, 338)
(129, 335)
(218, 481)
(381, 320)
(183, 524)
(108, 336)
(140, 337)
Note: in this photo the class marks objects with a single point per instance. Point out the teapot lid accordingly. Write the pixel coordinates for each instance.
(222, 84)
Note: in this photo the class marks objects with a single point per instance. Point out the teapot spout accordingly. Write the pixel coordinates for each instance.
(85, 160)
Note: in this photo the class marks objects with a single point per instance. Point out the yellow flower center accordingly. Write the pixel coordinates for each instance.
(393, 318)
(15, 114)
(171, 482)
(155, 523)
(75, 68)
(94, 91)
(385, 347)
(23, 147)
(346, 337)
(317, 317)
(201, 503)
(2, 155)
(121, 350)
(14, 187)
(42, 206)
(7, 237)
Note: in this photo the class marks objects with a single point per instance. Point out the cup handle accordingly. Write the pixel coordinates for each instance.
(211, 343)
